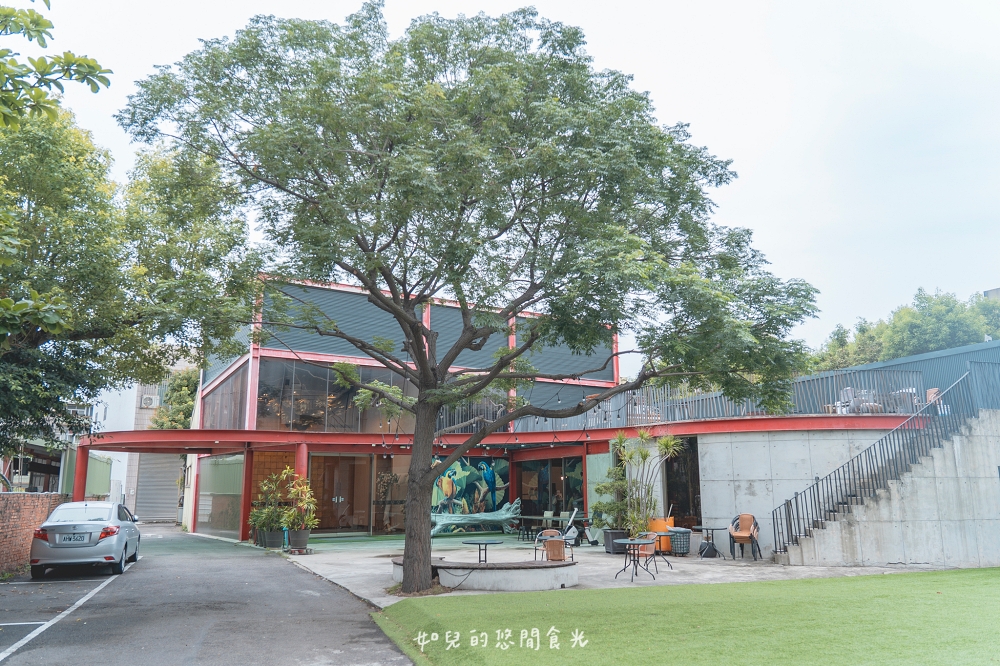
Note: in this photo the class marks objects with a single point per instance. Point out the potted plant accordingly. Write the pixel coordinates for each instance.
(643, 463)
(266, 516)
(633, 504)
(300, 517)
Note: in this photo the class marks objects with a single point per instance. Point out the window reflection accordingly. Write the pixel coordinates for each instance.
(305, 397)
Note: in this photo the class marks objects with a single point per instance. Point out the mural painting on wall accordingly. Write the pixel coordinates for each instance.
(471, 485)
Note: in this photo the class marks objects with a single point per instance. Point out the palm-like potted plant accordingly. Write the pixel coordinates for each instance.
(300, 517)
(637, 464)
(643, 460)
(266, 516)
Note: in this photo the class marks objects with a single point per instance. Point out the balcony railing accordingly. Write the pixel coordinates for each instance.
(838, 392)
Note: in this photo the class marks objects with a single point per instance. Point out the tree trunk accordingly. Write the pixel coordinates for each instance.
(419, 487)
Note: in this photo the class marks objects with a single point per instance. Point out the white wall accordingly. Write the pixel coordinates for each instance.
(753, 472)
(114, 410)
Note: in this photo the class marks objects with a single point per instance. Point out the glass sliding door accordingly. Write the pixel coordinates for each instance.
(391, 474)
(550, 485)
(343, 488)
(220, 490)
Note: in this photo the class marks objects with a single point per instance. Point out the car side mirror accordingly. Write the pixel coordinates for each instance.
(135, 518)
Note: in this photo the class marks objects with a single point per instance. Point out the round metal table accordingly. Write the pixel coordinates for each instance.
(483, 544)
(632, 556)
(708, 544)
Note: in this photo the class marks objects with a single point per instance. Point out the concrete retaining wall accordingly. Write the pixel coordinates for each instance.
(945, 511)
(20, 515)
(755, 471)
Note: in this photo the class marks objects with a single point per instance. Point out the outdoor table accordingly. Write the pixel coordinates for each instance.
(632, 556)
(483, 544)
(660, 552)
(708, 544)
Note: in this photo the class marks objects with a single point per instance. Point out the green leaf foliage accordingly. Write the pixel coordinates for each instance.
(932, 322)
(118, 283)
(178, 403)
(26, 87)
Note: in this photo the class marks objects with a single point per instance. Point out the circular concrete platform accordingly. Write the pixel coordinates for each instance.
(499, 576)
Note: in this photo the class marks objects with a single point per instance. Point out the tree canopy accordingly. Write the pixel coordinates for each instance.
(26, 87)
(178, 403)
(140, 277)
(930, 323)
(485, 160)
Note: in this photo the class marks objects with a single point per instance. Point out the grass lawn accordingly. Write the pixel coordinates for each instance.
(946, 617)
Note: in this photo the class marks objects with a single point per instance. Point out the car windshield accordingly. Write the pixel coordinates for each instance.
(79, 514)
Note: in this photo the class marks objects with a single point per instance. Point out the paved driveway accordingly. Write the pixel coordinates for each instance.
(189, 600)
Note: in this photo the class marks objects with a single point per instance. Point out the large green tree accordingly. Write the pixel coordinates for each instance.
(930, 323)
(484, 160)
(139, 280)
(26, 91)
(178, 403)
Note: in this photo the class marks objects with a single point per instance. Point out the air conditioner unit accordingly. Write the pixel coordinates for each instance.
(150, 401)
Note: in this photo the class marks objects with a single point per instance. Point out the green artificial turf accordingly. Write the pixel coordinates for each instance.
(945, 617)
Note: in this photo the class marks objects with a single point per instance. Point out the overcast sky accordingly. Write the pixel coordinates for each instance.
(865, 134)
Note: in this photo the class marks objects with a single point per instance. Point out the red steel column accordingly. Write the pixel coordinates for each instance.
(80, 474)
(302, 460)
(247, 495)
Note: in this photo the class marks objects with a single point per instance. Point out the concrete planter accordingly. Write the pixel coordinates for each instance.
(609, 542)
(298, 539)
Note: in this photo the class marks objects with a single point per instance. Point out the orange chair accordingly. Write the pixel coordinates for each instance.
(649, 552)
(744, 530)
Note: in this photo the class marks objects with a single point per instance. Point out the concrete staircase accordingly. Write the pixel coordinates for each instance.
(940, 509)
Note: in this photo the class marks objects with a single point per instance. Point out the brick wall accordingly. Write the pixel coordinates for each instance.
(266, 463)
(20, 514)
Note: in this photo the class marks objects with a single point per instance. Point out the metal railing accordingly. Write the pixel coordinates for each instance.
(836, 392)
(888, 458)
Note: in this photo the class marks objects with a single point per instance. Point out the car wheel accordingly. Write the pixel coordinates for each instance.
(37, 571)
(135, 555)
(119, 566)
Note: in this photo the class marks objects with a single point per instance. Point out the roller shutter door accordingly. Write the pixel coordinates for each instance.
(156, 489)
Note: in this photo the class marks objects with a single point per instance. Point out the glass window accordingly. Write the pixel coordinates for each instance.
(293, 395)
(79, 514)
(309, 393)
(225, 406)
(274, 394)
(573, 483)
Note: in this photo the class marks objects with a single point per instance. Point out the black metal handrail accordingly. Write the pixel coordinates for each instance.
(888, 458)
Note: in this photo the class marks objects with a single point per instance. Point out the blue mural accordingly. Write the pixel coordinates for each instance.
(471, 485)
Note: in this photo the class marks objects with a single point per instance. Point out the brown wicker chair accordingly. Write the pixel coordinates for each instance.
(649, 552)
(744, 530)
(543, 545)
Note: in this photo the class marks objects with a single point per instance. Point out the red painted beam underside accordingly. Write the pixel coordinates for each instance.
(226, 441)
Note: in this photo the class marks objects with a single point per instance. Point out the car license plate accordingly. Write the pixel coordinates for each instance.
(74, 538)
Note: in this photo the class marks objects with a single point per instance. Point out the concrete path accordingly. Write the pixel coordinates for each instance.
(365, 569)
(190, 600)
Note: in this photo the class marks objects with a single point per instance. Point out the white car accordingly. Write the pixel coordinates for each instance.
(97, 533)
